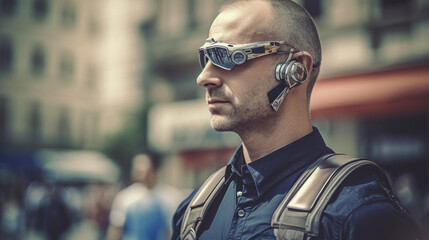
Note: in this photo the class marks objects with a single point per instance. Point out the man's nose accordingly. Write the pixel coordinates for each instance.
(209, 78)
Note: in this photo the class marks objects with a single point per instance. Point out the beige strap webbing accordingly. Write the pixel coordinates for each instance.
(199, 204)
(298, 215)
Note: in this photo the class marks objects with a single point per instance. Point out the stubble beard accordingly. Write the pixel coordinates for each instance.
(249, 115)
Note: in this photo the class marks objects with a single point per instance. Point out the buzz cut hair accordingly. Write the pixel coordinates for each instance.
(294, 25)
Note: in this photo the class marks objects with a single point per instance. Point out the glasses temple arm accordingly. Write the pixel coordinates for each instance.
(315, 65)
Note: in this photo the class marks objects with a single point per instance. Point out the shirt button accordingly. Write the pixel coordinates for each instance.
(239, 193)
(241, 213)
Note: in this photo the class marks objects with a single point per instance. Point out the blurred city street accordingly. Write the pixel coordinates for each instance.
(86, 86)
(83, 230)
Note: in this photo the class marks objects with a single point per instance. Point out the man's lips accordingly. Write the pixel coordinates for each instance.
(216, 101)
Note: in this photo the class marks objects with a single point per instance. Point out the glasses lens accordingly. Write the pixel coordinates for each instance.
(202, 58)
(219, 57)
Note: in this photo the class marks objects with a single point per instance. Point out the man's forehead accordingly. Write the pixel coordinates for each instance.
(245, 23)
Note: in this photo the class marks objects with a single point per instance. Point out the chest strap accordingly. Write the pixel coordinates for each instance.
(298, 215)
(197, 207)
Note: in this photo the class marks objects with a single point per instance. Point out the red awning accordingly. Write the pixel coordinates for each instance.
(387, 92)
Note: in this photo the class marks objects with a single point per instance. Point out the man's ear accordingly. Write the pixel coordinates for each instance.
(306, 59)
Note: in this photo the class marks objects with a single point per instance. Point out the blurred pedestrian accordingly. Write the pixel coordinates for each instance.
(146, 219)
(137, 212)
(12, 214)
(11, 219)
(55, 218)
(36, 195)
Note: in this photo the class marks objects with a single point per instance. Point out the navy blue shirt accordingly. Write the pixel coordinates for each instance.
(362, 209)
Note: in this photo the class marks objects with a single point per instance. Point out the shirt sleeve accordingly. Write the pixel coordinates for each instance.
(123, 200)
(117, 212)
(363, 208)
(380, 221)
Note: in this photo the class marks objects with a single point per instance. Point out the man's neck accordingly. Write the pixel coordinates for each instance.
(257, 144)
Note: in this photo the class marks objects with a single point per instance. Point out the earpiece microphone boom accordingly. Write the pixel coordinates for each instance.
(288, 74)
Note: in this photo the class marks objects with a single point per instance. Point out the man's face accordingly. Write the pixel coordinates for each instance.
(237, 98)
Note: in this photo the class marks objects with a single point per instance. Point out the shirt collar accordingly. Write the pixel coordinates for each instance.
(270, 169)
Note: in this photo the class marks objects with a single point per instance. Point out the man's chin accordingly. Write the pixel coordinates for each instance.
(221, 124)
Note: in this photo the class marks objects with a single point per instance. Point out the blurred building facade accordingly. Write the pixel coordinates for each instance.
(69, 71)
(70, 78)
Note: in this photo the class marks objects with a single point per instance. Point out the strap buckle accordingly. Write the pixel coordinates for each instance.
(191, 235)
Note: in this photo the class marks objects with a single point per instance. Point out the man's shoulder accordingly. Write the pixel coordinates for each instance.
(365, 207)
(133, 189)
(361, 187)
(129, 195)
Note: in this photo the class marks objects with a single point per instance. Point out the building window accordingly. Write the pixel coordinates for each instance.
(88, 127)
(35, 124)
(4, 115)
(394, 18)
(38, 60)
(192, 18)
(392, 9)
(66, 65)
(7, 7)
(314, 7)
(82, 130)
(63, 129)
(94, 27)
(6, 55)
(40, 9)
(68, 15)
(91, 77)
(94, 129)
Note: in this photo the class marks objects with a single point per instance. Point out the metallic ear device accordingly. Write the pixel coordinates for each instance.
(288, 74)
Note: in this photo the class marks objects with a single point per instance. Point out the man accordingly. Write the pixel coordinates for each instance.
(136, 212)
(247, 92)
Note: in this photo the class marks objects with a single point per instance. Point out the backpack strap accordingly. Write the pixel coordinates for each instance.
(200, 203)
(298, 215)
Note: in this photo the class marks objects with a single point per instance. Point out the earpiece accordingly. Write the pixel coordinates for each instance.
(288, 74)
(291, 70)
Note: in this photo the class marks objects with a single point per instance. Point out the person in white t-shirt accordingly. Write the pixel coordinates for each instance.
(144, 197)
(141, 172)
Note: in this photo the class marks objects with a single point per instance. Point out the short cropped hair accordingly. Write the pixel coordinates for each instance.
(294, 25)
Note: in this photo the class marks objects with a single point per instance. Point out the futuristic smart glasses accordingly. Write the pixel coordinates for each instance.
(226, 56)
